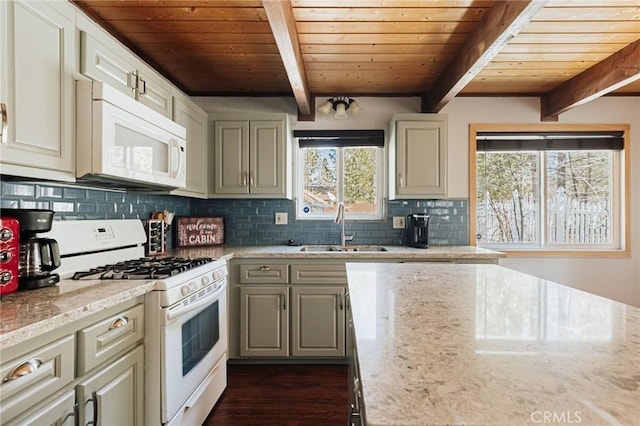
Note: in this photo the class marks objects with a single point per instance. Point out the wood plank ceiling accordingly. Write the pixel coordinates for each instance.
(567, 52)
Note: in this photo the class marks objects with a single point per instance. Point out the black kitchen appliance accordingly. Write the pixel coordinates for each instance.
(38, 256)
(417, 230)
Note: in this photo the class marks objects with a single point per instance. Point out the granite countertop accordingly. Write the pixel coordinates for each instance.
(293, 252)
(485, 345)
(27, 314)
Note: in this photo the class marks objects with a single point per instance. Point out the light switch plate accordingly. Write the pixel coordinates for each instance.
(281, 218)
(398, 222)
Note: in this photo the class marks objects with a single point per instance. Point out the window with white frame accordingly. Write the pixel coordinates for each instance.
(341, 166)
(553, 190)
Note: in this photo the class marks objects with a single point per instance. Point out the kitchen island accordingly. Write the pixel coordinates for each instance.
(485, 345)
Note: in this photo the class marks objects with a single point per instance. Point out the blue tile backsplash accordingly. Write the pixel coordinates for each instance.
(247, 222)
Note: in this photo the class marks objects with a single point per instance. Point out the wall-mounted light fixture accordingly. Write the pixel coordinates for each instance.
(340, 107)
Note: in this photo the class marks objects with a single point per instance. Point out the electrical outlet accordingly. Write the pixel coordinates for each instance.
(281, 218)
(398, 222)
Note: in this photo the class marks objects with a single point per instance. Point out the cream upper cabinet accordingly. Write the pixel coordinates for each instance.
(251, 157)
(37, 50)
(103, 58)
(194, 119)
(418, 156)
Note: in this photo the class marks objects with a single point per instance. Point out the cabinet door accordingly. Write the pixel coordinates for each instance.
(153, 91)
(318, 321)
(231, 157)
(37, 81)
(267, 157)
(421, 159)
(264, 323)
(59, 412)
(109, 65)
(195, 121)
(114, 395)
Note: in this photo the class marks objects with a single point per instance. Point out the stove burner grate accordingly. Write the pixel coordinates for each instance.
(143, 269)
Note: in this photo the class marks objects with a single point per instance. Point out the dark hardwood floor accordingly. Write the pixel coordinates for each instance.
(263, 395)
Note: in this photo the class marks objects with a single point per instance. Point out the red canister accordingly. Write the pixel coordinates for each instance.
(9, 254)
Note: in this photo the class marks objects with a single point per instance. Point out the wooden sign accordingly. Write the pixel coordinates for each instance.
(199, 231)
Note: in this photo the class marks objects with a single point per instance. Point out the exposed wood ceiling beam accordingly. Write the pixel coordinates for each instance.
(283, 26)
(501, 23)
(619, 69)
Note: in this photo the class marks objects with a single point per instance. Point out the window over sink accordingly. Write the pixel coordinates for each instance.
(335, 166)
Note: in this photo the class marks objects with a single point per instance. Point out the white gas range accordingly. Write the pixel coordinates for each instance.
(185, 314)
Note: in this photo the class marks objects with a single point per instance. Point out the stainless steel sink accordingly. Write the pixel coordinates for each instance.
(354, 248)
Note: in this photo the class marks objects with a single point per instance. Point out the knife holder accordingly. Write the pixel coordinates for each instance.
(156, 237)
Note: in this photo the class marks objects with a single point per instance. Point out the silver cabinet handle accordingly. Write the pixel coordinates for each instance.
(3, 135)
(23, 369)
(94, 401)
(340, 305)
(401, 178)
(132, 81)
(244, 178)
(252, 182)
(265, 268)
(142, 86)
(119, 322)
(284, 301)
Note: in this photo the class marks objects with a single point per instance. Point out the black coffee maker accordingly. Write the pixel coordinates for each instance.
(417, 230)
(39, 256)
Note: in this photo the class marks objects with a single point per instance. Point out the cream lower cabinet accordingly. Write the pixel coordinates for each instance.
(115, 395)
(288, 311)
(264, 321)
(87, 372)
(318, 321)
(37, 49)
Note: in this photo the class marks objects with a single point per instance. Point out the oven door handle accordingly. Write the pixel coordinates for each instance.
(181, 309)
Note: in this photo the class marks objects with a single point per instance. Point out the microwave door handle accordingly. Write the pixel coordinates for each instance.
(177, 149)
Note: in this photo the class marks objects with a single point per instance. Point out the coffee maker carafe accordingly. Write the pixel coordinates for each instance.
(417, 229)
(38, 256)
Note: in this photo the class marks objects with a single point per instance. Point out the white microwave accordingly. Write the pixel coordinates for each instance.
(124, 144)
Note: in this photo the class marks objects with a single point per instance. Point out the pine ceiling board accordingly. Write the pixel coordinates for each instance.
(417, 14)
(222, 58)
(586, 37)
(375, 58)
(384, 27)
(587, 13)
(543, 57)
(592, 3)
(179, 13)
(395, 65)
(526, 73)
(374, 49)
(392, 3)
(189, 40)
(154, 49)
(580, 27)
(170, 3)
(433, 38)
(507, 87)
(563, 48)
(340, 75)
(203, 26)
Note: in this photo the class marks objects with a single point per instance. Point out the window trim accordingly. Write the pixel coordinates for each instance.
(623, 218)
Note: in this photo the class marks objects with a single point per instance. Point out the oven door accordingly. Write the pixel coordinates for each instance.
(194, 338)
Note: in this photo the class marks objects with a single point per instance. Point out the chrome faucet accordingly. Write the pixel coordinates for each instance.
(340, 219)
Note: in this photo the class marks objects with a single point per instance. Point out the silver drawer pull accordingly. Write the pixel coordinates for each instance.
(23, 369)
(265, 268)
(119, 322)
(3, 111)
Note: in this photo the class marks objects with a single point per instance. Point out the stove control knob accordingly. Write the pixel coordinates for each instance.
(5, 277)
(204, 281)
(6, 234)
(185, 290)
(5, 256)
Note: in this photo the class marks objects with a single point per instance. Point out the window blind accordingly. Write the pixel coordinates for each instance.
(549, 141)
(339, 138)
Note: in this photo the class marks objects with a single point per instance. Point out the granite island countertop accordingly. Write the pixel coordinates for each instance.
(28, 314)
(485, 345)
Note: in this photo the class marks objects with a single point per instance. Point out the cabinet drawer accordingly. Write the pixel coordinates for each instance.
(52, 368)
(108, 337)
(319, 274)
(264, 274)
